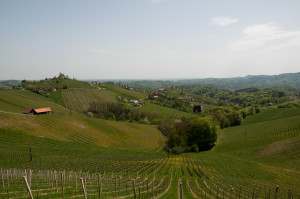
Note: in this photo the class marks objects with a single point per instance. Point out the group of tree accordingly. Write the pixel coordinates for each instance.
(118, 112)
(250, 95)
(189, 134)
(172, 102)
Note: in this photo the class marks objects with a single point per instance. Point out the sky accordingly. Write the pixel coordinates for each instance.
(148, 39)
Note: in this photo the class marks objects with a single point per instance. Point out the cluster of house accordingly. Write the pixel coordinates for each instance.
(37, 111)
(136, 102)
(154, 95)
(94, 83)
(61, 76)
(130, 89)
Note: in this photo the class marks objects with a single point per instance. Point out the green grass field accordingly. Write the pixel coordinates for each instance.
(17, 100)
(125, 93)
(249, 160)
(164, 112)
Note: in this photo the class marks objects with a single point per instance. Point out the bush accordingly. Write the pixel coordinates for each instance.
(195, 148)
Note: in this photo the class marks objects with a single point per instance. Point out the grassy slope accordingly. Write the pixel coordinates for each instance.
(79, 99)
(262, 152)
(266, 152)
(125, 93)
(64, 141)
(80, 95)
(61, 126)
(272, 113)
(17, 100)
(164, 111)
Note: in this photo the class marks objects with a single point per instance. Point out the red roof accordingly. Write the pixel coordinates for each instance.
(180, 98)
(154, 93)
(42, 110)
(155, 96)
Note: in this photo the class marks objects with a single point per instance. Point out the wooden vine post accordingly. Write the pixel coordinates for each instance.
(83, 188)
(231, 191)
(75, 182)
(147, 187)
(55, 177)
(62, 184)
(153, 187)
(133, 187)
(100, 185)
(180, 190)
(2, 178)
(28, 187)
(276, 192)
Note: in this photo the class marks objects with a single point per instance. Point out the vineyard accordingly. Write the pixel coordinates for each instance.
(240, 166)
(69, 155)
(17, 100)
(79, 99)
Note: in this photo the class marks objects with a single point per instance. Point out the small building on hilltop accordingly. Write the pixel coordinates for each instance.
(94, 82)
(38, 111)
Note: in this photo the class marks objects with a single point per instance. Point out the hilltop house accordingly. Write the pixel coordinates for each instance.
(94, 82)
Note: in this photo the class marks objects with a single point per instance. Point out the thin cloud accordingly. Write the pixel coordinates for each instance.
(224, 21)
(266, 36)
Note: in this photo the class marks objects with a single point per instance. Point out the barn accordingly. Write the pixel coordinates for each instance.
(38, 111)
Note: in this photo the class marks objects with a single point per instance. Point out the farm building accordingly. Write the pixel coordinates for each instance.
(94, 82)
(28, 111)
(37, 111)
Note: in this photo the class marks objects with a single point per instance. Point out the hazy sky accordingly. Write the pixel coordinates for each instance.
(148, 38)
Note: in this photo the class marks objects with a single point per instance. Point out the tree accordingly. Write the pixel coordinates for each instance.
(202, 132)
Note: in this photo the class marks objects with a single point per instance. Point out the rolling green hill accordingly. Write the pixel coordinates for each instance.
(249, 160)
(289, 80)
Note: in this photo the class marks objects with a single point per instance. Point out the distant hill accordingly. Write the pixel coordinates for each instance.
(291, 80)
(8, 84)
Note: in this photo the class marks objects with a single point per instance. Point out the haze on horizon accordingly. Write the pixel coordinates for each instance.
(148, 39)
